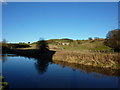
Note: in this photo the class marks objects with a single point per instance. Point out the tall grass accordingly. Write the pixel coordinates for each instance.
(106, 60)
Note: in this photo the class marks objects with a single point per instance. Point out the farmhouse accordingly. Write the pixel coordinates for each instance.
(65, 43)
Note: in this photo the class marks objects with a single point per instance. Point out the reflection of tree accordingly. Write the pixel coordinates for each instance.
(41, 65)
(43, 56)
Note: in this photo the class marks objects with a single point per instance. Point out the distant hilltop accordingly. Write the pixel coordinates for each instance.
(67, 40)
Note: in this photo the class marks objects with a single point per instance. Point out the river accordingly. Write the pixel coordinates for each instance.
(24, 72)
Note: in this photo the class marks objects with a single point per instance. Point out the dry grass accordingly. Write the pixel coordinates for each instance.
(106, 60)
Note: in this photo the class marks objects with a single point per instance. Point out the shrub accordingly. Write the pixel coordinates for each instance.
(113, 39)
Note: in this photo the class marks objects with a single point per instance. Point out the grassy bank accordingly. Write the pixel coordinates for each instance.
(105, 60)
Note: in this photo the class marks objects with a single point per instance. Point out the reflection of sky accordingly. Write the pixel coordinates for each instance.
(21, 72)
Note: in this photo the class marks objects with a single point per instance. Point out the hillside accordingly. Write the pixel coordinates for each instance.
(76, 45)
(68, 45)
(83, 45)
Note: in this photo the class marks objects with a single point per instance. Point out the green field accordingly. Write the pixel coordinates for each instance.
(82, 45)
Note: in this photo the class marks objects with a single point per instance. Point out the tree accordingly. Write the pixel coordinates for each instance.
(90, 38)
(113, 39)
(4, 41)
(42, 45)
(28, 42)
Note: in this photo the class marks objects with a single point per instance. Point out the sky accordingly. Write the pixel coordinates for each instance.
(29, 21)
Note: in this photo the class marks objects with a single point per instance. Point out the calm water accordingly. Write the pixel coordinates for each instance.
(22, 72)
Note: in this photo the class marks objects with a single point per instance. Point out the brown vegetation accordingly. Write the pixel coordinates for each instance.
(105, 60)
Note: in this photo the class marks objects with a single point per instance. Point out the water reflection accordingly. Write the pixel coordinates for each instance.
(41, 65)
(4, 57)
(39, 73)
(42, 61)
(90, 69)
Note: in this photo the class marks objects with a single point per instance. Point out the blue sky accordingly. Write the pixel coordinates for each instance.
(28, 21)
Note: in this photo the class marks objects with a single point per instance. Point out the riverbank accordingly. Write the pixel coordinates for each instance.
(87, 53)
(33, 53)
(97, 59)
(104, 60)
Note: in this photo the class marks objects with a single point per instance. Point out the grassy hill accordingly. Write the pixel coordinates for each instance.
(79, 45)
(73, 45)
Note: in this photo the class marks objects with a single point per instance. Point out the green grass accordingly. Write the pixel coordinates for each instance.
(116, 66)
(76, 45)
(85, 46)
